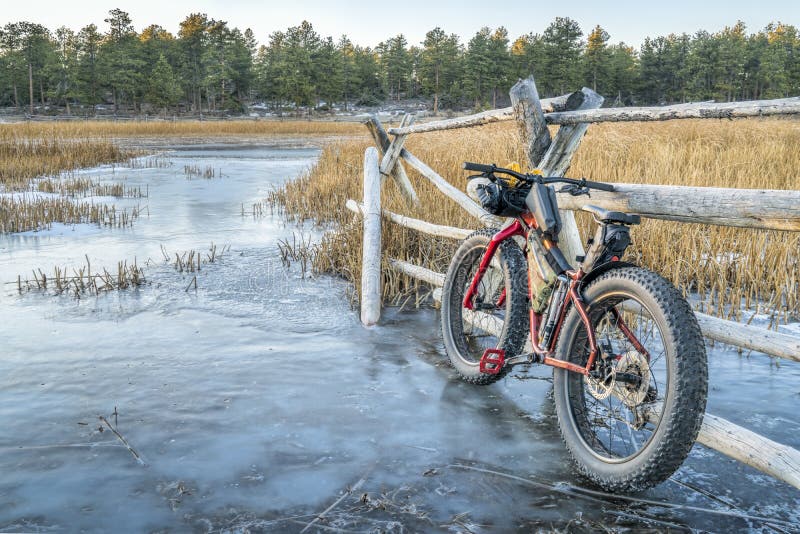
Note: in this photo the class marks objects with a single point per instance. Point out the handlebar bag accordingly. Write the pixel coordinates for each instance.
(541, 202)
(500, 200)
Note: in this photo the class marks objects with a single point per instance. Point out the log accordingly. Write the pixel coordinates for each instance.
(371, 255)
(478, 119)
(775, 459)
(743, 335)
(530, 119)
(744, 208)
(420, 273)
(392, 154)
(451, 191)
(398, 173)
(702, 110)
(558, 158)
(750, 337)
(438, 230)
(556, 163)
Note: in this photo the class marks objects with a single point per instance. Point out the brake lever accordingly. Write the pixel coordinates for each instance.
(575, 190)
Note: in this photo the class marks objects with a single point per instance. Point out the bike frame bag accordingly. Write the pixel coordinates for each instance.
(541, 202)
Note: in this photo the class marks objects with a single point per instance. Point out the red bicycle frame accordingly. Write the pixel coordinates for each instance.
(543, 354)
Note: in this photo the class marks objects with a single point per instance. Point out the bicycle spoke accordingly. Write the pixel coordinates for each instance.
(618, 426)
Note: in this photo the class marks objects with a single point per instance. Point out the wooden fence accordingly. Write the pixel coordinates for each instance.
(778, 210)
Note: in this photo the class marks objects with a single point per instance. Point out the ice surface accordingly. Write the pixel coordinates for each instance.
(256, 402)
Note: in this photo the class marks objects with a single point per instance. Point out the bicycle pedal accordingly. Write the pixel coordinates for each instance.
(492, 361)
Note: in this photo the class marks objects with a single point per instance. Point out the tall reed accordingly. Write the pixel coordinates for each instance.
(725, 267)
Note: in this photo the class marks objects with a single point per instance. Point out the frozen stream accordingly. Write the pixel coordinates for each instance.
(257, 400)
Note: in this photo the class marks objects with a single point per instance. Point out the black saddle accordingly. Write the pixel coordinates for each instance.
(612, 216)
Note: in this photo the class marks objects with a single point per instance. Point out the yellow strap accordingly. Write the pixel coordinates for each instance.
(514, 166)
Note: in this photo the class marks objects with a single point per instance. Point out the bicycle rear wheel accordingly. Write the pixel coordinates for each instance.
(632, 424)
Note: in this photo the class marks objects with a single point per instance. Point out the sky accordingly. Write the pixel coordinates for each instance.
(368, 22)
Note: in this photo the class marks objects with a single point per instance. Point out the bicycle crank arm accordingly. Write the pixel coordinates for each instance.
(494, 360)
(530, 357)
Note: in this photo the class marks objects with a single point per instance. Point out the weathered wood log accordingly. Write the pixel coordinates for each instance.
(530, 119)
(558, 158)
(775, 459)
(745, 208)
(742, 335)
(479, 119)
(425, 227)
(451, 191)
(382, 141)
(420, 273)
(550, 106)
(726, 110)
(392, 154)
(557, 161)
(371, 254)
(750, 337)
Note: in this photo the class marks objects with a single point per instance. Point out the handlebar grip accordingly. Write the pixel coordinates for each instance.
(478, 167)
(599, 185)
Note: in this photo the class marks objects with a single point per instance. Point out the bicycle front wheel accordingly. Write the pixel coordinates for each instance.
(631, 423)
(499, 319)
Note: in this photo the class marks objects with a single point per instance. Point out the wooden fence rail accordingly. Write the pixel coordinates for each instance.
(701, 110)
(775, 210)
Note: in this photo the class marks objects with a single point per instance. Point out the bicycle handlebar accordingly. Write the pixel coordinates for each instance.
(479, 167)
(531, 178)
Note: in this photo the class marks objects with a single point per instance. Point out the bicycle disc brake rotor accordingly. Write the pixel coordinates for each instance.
(599, 388)
(633, 363)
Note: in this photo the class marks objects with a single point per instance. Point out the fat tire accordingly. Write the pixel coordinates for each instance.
(515, 328)
(685, 399)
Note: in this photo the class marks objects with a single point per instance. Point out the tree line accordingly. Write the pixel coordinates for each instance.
(210, 66)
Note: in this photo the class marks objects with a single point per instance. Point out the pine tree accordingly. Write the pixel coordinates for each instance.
(64, 71)
(163, 88)
(478, 69)
(439, 64)
(527, 57)
(562, 54)
(396, 64)
(597, 59)
(119, 59)
(88, 77)
(192, 40)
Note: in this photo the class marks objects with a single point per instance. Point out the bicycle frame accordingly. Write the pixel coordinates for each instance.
(522, 227)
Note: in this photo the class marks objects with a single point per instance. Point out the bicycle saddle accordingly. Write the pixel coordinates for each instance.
(612, 216)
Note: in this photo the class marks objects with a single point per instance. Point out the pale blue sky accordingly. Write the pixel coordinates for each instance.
(367, 23)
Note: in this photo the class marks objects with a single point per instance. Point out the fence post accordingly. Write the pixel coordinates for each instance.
(530, 119)
(556, 162)
(383, 143)
(371, 255)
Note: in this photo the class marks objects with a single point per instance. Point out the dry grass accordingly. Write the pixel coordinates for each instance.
(24, 157)
(78, 187)
(724, 266)
(82, 280)
(40, 152)
(24, 214)
(110, 129)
